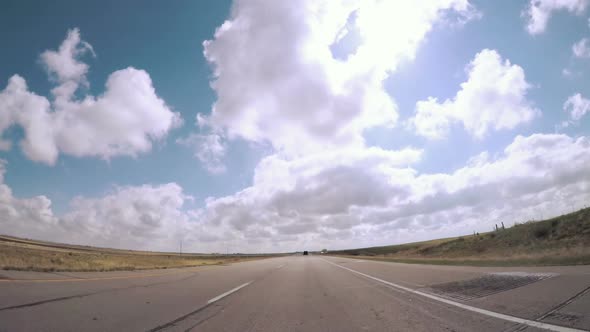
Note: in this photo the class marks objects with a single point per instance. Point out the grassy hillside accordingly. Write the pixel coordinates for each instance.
(563, 240)
(31, 255)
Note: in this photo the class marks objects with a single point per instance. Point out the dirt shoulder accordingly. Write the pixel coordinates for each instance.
(28, 255)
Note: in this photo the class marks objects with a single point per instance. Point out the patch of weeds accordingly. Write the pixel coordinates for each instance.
(541, 231)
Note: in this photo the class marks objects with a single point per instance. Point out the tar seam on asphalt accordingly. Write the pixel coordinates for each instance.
(196, 311)
(201, 308)
(64, 298)
(558, 307)
(75, 279)
(66, 275)
(514, 319)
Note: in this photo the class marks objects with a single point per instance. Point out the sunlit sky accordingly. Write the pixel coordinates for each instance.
(259, 126)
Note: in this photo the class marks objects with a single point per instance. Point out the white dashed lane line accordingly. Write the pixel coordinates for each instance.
(219, 297)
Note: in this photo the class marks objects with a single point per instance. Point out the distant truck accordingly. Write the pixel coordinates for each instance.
(305, 253)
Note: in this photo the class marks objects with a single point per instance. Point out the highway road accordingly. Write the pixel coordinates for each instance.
(300, 293)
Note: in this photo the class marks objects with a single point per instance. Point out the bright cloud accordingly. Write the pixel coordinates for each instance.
(308, 79)
(576, 106)
(581, 49)
(124, 120)
(142, 217)
(209, 150)
(368, 196)
(277, 80)
(64, 63)
(374, 195)
(538, 12)
(31, 217)
(492, 98)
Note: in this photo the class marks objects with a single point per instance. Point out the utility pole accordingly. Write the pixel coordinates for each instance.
(180, 251)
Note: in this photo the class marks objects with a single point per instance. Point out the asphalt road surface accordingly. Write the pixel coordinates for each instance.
(300, 293)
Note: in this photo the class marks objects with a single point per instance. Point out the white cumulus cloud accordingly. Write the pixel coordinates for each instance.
(538, 12)
(29, 217)
(375, 196)
(277, 80)
(581, 49)
(576, 106)
(64, 63)
(151, 217)
(124, 120)
(139, 217)
(209, 149)
(337, 199)
(492, 98)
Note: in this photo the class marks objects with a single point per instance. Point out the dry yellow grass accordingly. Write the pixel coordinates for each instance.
(21, 254)
(563, 240)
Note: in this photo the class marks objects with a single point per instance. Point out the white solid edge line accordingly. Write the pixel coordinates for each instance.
(528, 322)
(219, 297)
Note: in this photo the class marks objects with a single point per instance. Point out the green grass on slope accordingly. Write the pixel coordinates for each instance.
(557, 241)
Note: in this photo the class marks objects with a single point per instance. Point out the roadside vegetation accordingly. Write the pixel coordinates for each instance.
(30, 255)
(563, 240)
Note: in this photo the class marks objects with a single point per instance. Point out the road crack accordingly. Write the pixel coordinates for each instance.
(110, 290)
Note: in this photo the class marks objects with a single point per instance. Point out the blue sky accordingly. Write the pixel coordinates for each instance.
(283, 139)
(163, 39)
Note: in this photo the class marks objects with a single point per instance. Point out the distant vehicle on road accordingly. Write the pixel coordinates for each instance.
(305, 253)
